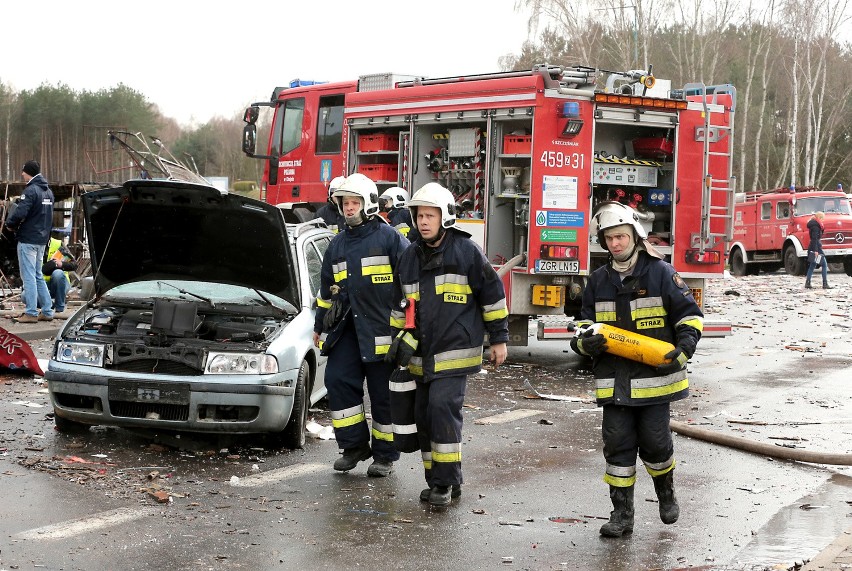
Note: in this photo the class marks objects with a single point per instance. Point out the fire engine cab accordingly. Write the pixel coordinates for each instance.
(529, 156)
(770, 230)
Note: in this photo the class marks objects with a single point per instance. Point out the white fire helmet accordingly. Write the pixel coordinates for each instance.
(612, 214)
(335, 184)
(361, 186)
(396, 195)
(435, 195)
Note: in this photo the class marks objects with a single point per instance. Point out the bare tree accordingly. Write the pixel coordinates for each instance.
(699, 46)
(759, 35)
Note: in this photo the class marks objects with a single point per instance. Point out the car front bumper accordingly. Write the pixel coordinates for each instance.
(237, 404)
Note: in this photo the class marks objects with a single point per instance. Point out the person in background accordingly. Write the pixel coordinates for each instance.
(32, 220)
(457, 297)
(816, 257)
(329, 212)
(55, 270)
(352, 326)
(640, 292)
(394, 201)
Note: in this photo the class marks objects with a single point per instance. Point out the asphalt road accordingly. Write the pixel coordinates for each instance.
(533, 496)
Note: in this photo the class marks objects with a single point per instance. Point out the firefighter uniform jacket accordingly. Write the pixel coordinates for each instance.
(400, 218)
(653, 301)
(360, 262)
(332, 217)
(458, 296)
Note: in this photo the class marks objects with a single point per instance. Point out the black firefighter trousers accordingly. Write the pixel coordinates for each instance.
(438, 414)
(345, 372)
(629, 431)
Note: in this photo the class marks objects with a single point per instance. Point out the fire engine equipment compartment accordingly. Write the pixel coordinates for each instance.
(625, 175)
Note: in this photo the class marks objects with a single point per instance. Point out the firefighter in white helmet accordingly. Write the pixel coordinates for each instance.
(352, 326)
(638, 291)
(394, 202)
(329, 212)
(457, 297)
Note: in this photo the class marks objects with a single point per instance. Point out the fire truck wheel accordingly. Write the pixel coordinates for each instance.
(793, 264)
(738, 265)
(847, 265)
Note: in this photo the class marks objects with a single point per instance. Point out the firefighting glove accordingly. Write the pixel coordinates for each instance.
(589, 343)
(337, 310)
(402, 348)
(678, 361)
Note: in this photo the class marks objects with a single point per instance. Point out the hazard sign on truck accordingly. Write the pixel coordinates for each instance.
(529, 157)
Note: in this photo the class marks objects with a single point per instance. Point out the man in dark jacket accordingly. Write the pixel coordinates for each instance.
(816, 257)
(33, 220)
(457, 298)
(394, 202)
(329, 212)
(353, 328)
(639, 292)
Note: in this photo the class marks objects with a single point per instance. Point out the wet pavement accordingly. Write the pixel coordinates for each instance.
(533, 496)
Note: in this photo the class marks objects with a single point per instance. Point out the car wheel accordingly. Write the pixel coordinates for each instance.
(293, 435)
(847, 265)
(793, 264)
(738, 265)
(66, 426)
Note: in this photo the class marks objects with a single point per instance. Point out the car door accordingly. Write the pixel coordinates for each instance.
(312, 250)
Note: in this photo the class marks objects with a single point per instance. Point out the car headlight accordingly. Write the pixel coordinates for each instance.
(91, 354)
(241, 364)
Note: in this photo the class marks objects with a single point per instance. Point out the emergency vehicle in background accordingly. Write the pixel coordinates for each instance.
(529, 156)
(770, 230)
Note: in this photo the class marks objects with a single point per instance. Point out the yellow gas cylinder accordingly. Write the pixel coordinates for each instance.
(633, 346)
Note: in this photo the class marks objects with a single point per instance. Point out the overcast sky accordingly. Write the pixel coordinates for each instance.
(203, 59)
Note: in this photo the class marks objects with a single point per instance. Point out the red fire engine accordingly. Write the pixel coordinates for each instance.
(770, 230)
(529, 155)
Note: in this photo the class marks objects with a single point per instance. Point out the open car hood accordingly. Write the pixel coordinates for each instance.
(160, 229)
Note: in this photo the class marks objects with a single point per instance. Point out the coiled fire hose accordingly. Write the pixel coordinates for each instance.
(760, 447)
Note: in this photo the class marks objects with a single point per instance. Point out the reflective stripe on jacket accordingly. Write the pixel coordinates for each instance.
(653, 301)
(400, 218)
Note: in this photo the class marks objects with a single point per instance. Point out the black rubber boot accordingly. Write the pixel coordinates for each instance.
(424, 494)
(621, 518)
(351, 457)
(664, 486)
(380, 468)
(824, 286)
(808, 284)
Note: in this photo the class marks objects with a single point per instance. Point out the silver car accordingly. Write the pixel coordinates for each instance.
(202, 317)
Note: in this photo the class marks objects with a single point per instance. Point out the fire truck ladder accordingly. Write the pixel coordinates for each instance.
(712, 133)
